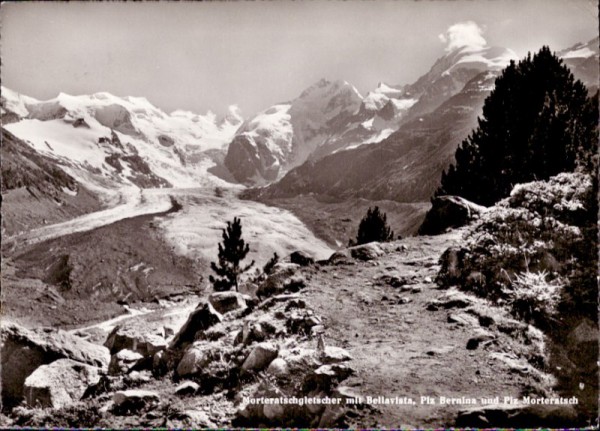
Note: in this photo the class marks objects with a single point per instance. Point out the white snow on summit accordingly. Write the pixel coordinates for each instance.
(77, 131)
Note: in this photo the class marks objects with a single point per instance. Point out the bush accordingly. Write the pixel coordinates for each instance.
(544, 227)
(533, 298)
(373, 227)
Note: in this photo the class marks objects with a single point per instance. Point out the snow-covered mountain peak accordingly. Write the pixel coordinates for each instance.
(107, 139)
(15, 102)
(327, 89)
(233, 117)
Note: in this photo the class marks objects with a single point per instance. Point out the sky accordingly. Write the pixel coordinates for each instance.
(207, 56)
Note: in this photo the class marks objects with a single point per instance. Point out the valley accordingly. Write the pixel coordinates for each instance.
(156, 243)
(113, 211)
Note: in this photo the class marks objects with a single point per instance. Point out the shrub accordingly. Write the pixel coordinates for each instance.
(373, 227)
(268, 268)
(544, 227)
(533, 298)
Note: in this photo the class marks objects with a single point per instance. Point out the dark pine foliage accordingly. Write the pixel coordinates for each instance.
(232, 251)
(373, 227)
(268, 268)
(536, 123)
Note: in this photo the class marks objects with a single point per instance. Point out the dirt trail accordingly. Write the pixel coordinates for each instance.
(403, 349)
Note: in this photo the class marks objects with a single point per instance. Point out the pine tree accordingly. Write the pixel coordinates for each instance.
(232, 251)
(536, 123)
(374, 227)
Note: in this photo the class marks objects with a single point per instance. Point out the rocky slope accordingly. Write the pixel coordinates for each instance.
(368, 322)
(36, 190)
(330, 117)
(405, 167)
(285, 135)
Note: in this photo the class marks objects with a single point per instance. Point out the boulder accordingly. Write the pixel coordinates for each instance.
(481, 335)
(518, 416)
(301, 258)
(135, 339)
(136, 378)
(210, 363)
(24, 350)
(334, 355)
(134, 400)
(452, 299)
(281, 279)
(261, 356)
(59, 384)
(449, 212)
(340, 257)
(278, 367)
(192, 361)
(123, 361)
(366, 252)
(326, 377)
(202, 318)
(223, 302)
(187, 388)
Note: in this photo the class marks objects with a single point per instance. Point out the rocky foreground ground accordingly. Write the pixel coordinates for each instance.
(367, 325)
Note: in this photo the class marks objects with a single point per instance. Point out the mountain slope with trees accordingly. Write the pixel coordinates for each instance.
(538, 121)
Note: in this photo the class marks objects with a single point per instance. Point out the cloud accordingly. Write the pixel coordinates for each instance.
(463, 34)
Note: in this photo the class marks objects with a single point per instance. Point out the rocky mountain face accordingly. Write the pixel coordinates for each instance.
(105, 141)
(330, 117)
(285, 135)
(36, 190)
(407, 165)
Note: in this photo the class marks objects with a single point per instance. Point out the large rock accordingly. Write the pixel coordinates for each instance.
(449, 212)
(283, 278)
(134, 400)
(370, 251)
(187, 388)
(193, 360)
(23, 351)
(211, 364)
(260, 357)
(334, 355)
(340, 257)
(278, 367)
(223, 302)
(123, 361)
(202, 318)
(134, 339)
(301, 258)
(59, 384)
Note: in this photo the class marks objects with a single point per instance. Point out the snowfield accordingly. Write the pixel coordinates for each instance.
(195, 231)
